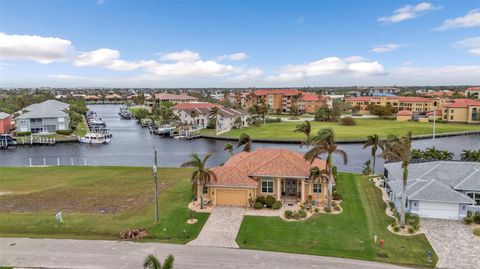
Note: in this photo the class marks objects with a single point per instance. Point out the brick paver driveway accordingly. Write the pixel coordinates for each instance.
(221, 228)
(454, 243)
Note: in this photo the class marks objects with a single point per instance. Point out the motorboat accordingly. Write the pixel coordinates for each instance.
(95, 138)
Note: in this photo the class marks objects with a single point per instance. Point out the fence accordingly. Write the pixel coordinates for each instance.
(55, 161)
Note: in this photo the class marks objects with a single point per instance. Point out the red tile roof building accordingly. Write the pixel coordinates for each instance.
(160, 98)
(282, 100)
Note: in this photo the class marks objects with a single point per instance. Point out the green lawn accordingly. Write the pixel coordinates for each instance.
(364, 127)
(349, 234)
(96, 202)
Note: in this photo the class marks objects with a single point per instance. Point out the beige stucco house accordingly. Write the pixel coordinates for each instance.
(281, 173)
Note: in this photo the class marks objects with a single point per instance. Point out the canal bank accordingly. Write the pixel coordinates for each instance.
(133, 146)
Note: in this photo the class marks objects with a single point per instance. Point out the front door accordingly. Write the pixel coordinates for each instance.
(290, 187)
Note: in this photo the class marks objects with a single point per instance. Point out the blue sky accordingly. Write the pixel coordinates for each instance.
(120, 43)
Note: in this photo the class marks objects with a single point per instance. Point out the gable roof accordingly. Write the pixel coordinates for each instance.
(231, 176)
(47, 109)
(3, 115)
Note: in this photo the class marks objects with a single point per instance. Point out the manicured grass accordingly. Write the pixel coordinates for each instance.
(349, 234)
(364, 127)
(82, 128)
(96, 202)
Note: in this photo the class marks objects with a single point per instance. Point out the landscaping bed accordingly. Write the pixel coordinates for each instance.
(350, 234)
(96, 203)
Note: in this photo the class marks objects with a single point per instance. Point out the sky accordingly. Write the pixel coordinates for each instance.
(122, 43)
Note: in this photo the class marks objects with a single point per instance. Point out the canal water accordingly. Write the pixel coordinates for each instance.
(133, 146)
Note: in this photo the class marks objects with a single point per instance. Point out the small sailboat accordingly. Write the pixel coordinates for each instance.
(95, 138)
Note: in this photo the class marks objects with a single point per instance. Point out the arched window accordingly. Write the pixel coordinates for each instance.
(474, 113)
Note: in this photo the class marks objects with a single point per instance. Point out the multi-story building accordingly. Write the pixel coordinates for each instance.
(5, 123)
(46, 117)
(284, 99)
(473, 92)
(462, 111)
(414, 104)
(310, 102)
(160, 98)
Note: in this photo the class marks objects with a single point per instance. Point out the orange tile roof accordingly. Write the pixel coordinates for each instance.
(273, 163)
(194, 105)
(306, 96)
(438, 113)
(231, 176)
(404, 113)
(280, 91)
(475, 89)
(462, 103)
(169, 96)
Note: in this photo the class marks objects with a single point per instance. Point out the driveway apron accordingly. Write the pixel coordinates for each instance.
(221, 228)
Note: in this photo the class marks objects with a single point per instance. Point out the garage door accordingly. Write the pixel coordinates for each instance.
(438, 210)
(231, 197)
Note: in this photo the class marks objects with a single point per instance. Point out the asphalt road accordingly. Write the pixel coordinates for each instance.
(66, 253)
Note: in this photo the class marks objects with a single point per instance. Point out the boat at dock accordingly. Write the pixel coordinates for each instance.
(125, 113)
(94, 138)
(164, 130)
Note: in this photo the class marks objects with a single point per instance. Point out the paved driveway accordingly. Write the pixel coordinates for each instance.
(221, 228)
(454, 243)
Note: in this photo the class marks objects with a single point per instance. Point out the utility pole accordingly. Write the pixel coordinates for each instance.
(434, 120)
(155, 181)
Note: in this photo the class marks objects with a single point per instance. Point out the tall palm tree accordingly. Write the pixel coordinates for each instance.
(306, 129)
(400, 149)
(246, 141)
(201, 176)
(228, 147)
(318, 176)
(324, 142)
(374, 142)
(193, 114)
(151, 262)
(213, 114)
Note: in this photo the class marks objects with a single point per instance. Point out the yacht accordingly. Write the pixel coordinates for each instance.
(95, 138)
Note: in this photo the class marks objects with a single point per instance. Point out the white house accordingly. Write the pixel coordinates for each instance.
(439, 189)
(46, 117)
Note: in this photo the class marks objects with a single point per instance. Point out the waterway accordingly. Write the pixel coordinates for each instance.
(133, 146)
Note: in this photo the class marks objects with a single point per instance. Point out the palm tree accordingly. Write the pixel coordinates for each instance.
(246, 141)
(374, 142)
(193, 114)
(151, 262)
(324, 142)
(228, 147)
(306, 129)
(213, 115)
(318, 176)
(399, 149)
(201, 176)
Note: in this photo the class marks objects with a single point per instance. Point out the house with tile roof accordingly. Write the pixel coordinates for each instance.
(281, 173)
(473, 92)
(439, 189)
(159, 98)
(462, 111)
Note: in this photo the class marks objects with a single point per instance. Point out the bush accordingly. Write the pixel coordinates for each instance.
(269, 200)
(316, 210)
(336, 196)
(336, 208)
(411, 230)
(327, 210)
(295, 215)
(302, 214)
(258, 205)
(476, 217)
(476, 231)
(288, 214)
(412, 219)
(24, 133)
(64, 132)
(277, 205)
(347, 121)
(391, 205)
(395, 227)
(261, 200)
(468, 220)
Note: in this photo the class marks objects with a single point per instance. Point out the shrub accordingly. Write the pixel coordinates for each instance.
(277, 205)
(296, 215)
(288, 214)
(336, 196)
(258, 205)
(413, 219)
(261, 200)
(302, 214)
(416, 226)
(316, 210)
(347, 121)
(269, 200)
(391, 205)
(411, 230)
(270, 120)
(476, 231)
(395, 227)
(476, 217)
(336, 208)
(24, 133)
(468, 220)
(328, 210)
(64, 132)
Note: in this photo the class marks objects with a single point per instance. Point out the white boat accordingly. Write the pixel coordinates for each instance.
(166, 129)
(95, 138)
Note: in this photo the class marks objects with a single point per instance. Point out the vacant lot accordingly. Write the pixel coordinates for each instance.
(96, 202)
(364, 127)
(349, 234)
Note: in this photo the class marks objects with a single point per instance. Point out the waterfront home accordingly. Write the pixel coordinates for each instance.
(46, 117)
(160, 98)
(473, 92)
(414, 104)
(440, 189)
(281, 173)
(229, 118)
(462, 111)
(5, 123)
(194, 113)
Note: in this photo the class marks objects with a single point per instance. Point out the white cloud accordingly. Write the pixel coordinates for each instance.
(35, 48)
(386, 47)
(408, 12)
(197, 68)
(108, 58)
(233, 57)
(180, 56)
(472, 43)
(329, 66)
(471, 19)
(248, 74)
